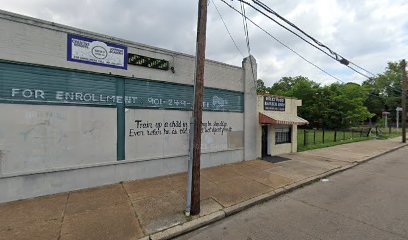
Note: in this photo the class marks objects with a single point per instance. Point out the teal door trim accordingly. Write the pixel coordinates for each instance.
(120, 106)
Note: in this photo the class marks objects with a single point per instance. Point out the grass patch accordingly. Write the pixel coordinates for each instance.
(314, 138)
(302, 148)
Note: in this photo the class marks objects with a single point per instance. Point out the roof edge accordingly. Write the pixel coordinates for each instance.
(16, 17)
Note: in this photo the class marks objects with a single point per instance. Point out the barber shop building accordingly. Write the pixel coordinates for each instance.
(278, 121)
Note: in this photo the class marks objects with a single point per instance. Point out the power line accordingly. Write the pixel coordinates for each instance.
(362, 74)
(337, 57)
(334, 55)
(226, 28)
(283, 44)
(364, 69)
(245, 24)
(257, 9)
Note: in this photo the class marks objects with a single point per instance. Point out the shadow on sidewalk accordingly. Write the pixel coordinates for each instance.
(139, 208)
(275, 159)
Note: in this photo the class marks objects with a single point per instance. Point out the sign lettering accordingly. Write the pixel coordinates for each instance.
(89, 51)
(57, 86)
(272, 103)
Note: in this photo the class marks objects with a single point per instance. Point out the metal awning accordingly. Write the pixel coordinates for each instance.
(281, 119)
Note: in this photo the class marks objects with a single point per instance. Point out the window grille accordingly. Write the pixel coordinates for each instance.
(283, 135)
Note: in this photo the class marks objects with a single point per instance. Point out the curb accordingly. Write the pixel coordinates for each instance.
(188, 226)
(229, 211)
(383, 153)
(248, 203)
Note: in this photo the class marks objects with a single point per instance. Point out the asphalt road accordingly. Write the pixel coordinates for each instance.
(369, 201)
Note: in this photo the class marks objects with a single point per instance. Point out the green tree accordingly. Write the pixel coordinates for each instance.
(346, 105)
(285, 84)
(332, 106)
(385, 91)
(260, 87)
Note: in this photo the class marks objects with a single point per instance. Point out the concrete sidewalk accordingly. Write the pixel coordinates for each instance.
(153, 208)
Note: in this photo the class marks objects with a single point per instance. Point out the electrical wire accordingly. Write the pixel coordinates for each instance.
(334, 55)
(289, 48)
(337, 56)
(280, 42)
(226, 28)
(362, 74)
(374, 75)
(245, 24)
(310, 43)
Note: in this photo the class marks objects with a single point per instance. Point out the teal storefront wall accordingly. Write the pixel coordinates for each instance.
(33, 84)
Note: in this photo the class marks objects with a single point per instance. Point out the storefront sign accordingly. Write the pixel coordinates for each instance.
(89, 51)
(149, 62)
(272, 103)
(41, 85)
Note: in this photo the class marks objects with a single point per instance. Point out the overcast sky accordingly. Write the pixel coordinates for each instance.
(370, 33)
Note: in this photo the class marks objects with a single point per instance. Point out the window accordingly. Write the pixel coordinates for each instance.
(283, 135)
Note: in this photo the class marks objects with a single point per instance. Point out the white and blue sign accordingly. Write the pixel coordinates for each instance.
(272, 103)
(90, 51)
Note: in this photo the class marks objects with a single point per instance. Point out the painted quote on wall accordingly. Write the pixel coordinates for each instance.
(146, 128)
(163, 134)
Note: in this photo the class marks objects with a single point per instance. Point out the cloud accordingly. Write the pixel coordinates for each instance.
(367, 32)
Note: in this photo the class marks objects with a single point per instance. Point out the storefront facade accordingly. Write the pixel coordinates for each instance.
(277, 128)
(81, 109)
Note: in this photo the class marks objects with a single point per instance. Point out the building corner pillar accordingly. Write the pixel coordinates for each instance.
(251, 126)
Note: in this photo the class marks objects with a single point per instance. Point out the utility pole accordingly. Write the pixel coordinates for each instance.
(404, 100)
(398, 109)
(194, 185)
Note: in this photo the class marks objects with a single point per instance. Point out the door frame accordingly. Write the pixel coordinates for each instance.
(264, 140)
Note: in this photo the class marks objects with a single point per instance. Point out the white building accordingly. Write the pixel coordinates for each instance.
(277, 128)
(80, 109)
